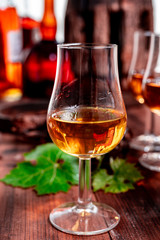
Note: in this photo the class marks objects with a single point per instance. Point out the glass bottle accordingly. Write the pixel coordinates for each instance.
(39, 68)
(3, 82)
(30, 28)
(12, 47)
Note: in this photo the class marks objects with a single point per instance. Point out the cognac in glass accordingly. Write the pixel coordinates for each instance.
(86, 118)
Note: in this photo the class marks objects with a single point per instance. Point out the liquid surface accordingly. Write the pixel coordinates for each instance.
(86, 131)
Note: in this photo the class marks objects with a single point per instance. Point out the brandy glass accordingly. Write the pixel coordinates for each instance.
(86, 118)
(141, 45)
(151, 93)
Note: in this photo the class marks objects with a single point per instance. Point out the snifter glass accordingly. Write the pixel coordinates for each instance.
(141, 45)
(86, 118)
(151, 93)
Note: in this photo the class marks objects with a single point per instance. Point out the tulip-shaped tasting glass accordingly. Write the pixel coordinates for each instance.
(151, 93)
(141, 45)
(86, 118)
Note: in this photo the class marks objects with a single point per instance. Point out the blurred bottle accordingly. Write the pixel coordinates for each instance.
(28, 26)
(12, 45)
(30, 30)
(39, 67)
(3, 82)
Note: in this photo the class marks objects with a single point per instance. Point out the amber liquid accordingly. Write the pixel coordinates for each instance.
(86, 131)
(152, 95)
(136, 86)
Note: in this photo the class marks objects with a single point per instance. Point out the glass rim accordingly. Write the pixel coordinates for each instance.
(156, 35)
(144, 33)
(86, 45)
(147, 33)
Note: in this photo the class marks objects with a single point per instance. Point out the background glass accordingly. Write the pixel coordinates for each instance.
(141, 44)
(86, 118)
(151, 93)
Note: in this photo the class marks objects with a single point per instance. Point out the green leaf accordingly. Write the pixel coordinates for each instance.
(54, 170)
(123, 177)
(49, 170)
(98, 182)
(118, 187)
(125, 170)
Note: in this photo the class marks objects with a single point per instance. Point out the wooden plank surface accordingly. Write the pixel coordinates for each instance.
(24, 215)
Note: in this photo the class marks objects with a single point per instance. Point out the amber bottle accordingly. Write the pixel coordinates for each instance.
(11, 40)
(40, 66)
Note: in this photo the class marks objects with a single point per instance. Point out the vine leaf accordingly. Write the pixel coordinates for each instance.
(123, 178)
(54, 170)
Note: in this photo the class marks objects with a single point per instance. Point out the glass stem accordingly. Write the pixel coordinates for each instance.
(84, 182)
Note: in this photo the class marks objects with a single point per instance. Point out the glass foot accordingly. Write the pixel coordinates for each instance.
(146, 143)
(94, 219)
(151, 161)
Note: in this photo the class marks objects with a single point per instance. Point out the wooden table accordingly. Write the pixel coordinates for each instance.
(24, 215)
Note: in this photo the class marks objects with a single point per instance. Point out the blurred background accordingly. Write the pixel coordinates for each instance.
(30, 31)
(103, 21)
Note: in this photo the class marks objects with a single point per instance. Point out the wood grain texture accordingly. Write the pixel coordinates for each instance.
(24, 215)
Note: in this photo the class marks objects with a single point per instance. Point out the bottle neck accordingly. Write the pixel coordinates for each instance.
(48, 24)
(48, 7)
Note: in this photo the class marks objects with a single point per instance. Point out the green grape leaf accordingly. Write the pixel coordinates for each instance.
(123, 178)
(54, 170)
(49, 170)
